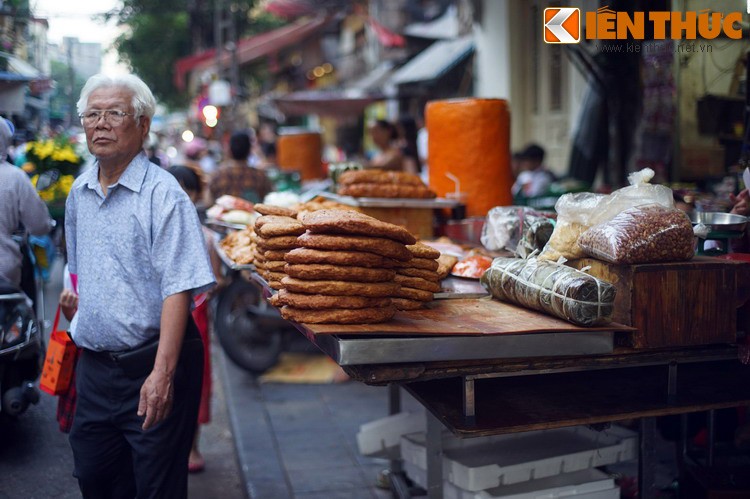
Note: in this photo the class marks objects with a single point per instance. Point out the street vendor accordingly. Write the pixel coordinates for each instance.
(135, 244)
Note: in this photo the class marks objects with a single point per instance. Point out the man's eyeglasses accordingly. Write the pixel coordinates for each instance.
(114, 117)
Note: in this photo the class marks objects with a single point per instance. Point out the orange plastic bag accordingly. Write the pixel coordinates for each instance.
(59, 361)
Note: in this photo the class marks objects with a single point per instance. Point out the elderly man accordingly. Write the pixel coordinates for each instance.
(137, 253)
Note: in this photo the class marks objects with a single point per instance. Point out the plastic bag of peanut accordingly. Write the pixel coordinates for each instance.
(643, 234)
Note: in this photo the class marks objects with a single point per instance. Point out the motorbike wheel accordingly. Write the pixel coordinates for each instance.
(248, 328)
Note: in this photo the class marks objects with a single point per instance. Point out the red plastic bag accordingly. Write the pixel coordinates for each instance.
(59, 361)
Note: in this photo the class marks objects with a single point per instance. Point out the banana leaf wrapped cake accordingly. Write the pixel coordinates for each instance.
(552, 288)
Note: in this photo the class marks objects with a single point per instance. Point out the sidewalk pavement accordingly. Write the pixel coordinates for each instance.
(298, 441)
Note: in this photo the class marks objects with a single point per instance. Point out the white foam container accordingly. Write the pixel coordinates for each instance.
(381, 437)
(584, 484)
(475, 464)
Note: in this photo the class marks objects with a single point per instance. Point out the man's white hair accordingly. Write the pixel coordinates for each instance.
(144, 102)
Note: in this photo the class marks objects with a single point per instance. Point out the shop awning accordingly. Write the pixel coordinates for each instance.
(290, 8)
(335, 103)
(18, 70)
(442, 28)
(250, 49)
(375, 79)
(12, 96)
(434, 61)
(14, 82)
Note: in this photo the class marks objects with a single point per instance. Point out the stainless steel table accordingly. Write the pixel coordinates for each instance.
(464, 379)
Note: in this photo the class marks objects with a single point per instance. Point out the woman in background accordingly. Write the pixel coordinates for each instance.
(407, 131)
(389, 155)
(192, 183)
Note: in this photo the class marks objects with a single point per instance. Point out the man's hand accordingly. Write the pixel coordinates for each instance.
(157, 394)
(68, 303)
(741, 203)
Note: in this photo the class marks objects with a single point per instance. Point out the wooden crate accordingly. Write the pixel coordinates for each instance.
(418, 221)
(675, 304)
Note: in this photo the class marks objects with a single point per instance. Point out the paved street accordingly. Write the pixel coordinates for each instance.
(36, 460)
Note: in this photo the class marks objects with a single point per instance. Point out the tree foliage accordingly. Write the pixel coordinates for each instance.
(66, 91)
(158, 32)
(150, 48)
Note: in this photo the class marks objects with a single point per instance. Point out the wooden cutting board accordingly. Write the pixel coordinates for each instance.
(471, 317)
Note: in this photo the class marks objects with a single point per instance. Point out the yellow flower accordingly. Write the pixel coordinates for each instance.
(28, 167)
(47, 195)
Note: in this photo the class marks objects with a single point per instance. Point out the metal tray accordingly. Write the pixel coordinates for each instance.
(390, 202)
(228, 261)
(458, 287)
(719, 222)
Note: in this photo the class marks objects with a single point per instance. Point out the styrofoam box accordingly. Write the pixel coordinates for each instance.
(381, 438)
(486, 462)
(585, 484)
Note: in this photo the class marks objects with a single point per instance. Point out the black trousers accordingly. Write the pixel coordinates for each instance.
(114, 458)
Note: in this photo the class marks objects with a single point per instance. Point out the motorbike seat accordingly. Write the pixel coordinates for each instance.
(7, 287)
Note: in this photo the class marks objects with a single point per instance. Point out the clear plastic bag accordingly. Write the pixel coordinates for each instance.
(519, 229)
(639, 192)
(552, 288)
(644, 234)
(575, 213)
(578, 212)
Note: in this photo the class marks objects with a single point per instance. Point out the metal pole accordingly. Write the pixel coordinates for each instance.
(71, 85)
(434, 449)
(711, 436)
(647, 459)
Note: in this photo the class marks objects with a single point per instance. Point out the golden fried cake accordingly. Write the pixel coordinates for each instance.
(354, 223)
(322, 272)
(378, 245)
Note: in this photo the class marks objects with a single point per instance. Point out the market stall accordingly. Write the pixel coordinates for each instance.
(631, 325)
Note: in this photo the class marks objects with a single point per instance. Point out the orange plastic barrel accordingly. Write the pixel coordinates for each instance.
(470, 138)
(300, 151)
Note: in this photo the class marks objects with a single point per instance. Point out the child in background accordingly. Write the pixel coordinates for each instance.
(192, 183)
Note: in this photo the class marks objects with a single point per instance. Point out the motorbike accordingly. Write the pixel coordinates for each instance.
(22, 350)
(251, 332)
(22, 346)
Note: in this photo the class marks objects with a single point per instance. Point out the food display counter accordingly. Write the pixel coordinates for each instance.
(482, 367)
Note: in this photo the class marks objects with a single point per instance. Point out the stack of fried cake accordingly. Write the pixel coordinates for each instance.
(343, 271)
(276, 234)
(382, 184)
(418, 278)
